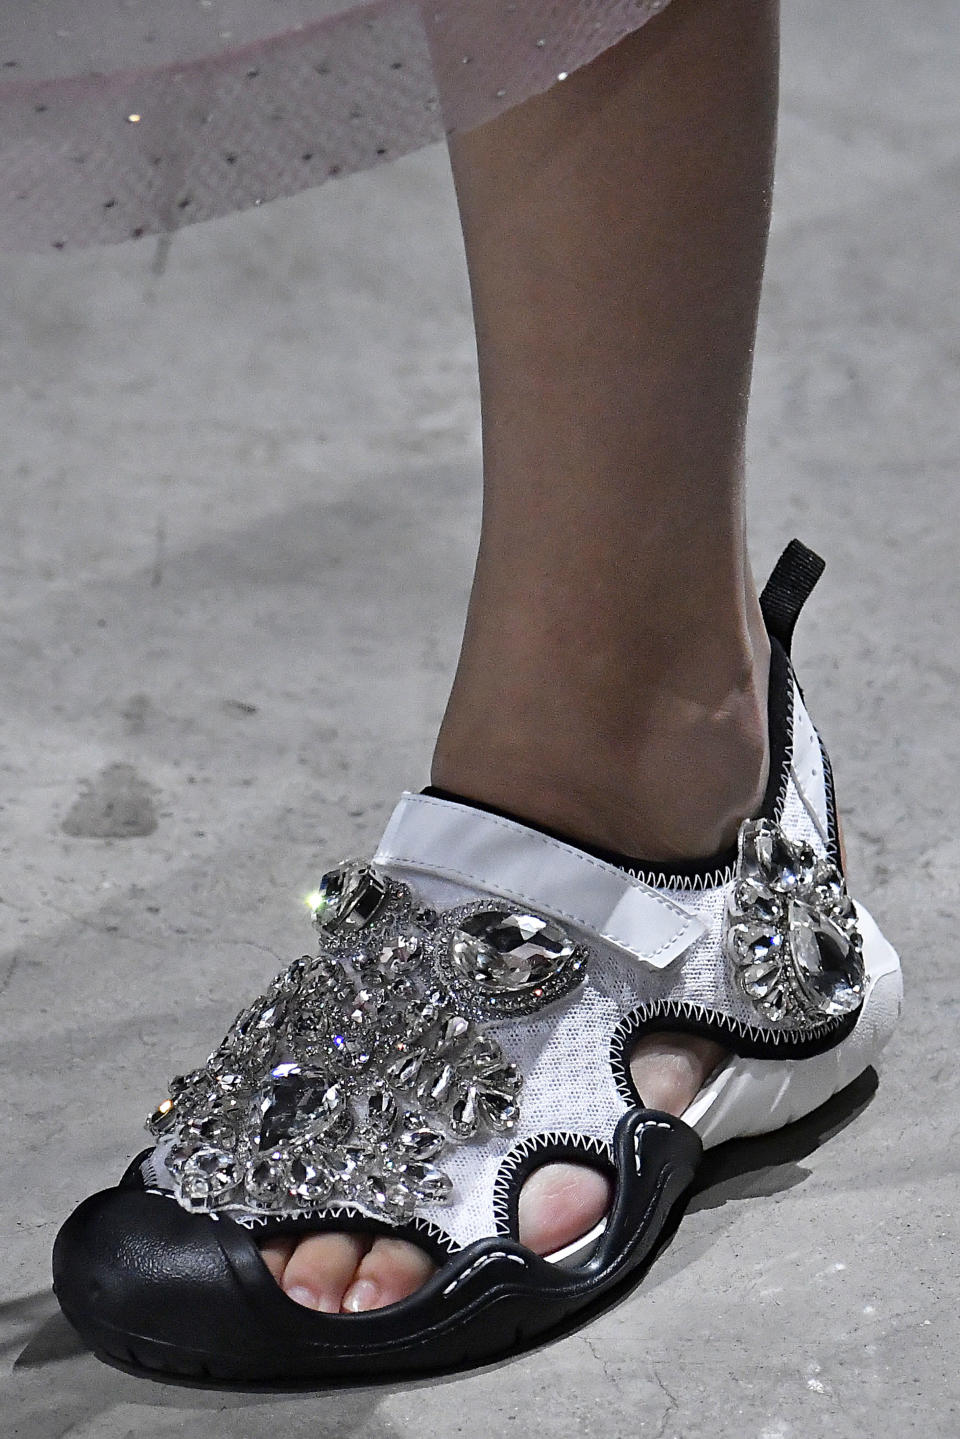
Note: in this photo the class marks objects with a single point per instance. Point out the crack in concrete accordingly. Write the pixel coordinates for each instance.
(589, 1343)
(252, 944)
(117, 933)
(673, 1403)
(11, 971)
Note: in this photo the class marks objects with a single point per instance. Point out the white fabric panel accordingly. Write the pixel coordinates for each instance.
(453, 854)
(806, 767)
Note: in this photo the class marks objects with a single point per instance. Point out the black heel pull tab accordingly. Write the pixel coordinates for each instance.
(788, 589)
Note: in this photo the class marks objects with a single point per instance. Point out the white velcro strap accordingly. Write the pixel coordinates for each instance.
(499, 856)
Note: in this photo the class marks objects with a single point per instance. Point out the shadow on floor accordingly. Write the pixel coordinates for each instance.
(54, 1339)
(769, 1164)
(752, 1169)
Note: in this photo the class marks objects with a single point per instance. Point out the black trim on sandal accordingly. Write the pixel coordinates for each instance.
(154, 1288)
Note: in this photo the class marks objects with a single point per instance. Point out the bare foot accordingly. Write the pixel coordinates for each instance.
(559, 1202)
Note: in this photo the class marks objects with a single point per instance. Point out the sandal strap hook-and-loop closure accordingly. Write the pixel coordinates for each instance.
(501, 857)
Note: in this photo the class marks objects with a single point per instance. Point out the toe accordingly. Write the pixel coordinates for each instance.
(321, 1269)
(670, 1069)
(559, 1203)
(388, 1273)
(276, 1253)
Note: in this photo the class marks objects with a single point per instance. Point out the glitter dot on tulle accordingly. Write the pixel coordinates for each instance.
(193, 79)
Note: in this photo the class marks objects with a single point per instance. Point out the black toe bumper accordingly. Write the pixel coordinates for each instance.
(151, 1286)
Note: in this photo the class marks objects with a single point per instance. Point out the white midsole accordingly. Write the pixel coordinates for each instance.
(755, 1096)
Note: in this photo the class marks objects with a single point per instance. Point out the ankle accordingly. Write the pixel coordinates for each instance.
(672, 779)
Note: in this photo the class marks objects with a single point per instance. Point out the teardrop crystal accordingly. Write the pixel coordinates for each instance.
(827, 964)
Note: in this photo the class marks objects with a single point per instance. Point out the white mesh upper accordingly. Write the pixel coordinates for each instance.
(564, 1051)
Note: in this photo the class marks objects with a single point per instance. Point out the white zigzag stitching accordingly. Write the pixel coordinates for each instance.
(586, 1143)
(714, 880)
(687, 1009)
(418, 1223)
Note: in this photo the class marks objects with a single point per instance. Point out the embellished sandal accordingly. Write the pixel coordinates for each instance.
(470, 1017)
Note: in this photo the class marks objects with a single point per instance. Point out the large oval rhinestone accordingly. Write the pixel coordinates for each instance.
(297, 1102)
(349, 896)
(826, 962)
(499, 952)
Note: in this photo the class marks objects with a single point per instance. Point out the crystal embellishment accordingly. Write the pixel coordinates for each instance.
(513, 952)
(347, 1082)
(791, 931)
(207, 1178)
(349, 896)
(301, 1103)
(501, 962)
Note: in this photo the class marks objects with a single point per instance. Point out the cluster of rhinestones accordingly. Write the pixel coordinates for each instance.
(792, 931)
(348, 1079)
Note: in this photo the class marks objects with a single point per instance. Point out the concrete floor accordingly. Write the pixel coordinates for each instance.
(240, 500)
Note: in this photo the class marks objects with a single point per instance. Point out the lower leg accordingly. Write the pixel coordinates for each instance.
(613, 674)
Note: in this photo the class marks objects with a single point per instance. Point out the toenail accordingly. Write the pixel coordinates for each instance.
(300, 1294)
(362, 1296)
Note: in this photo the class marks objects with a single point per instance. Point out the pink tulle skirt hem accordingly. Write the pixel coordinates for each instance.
(122, 118)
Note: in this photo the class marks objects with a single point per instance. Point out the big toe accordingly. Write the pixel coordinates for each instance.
(321, 1269)
(391, 1271)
